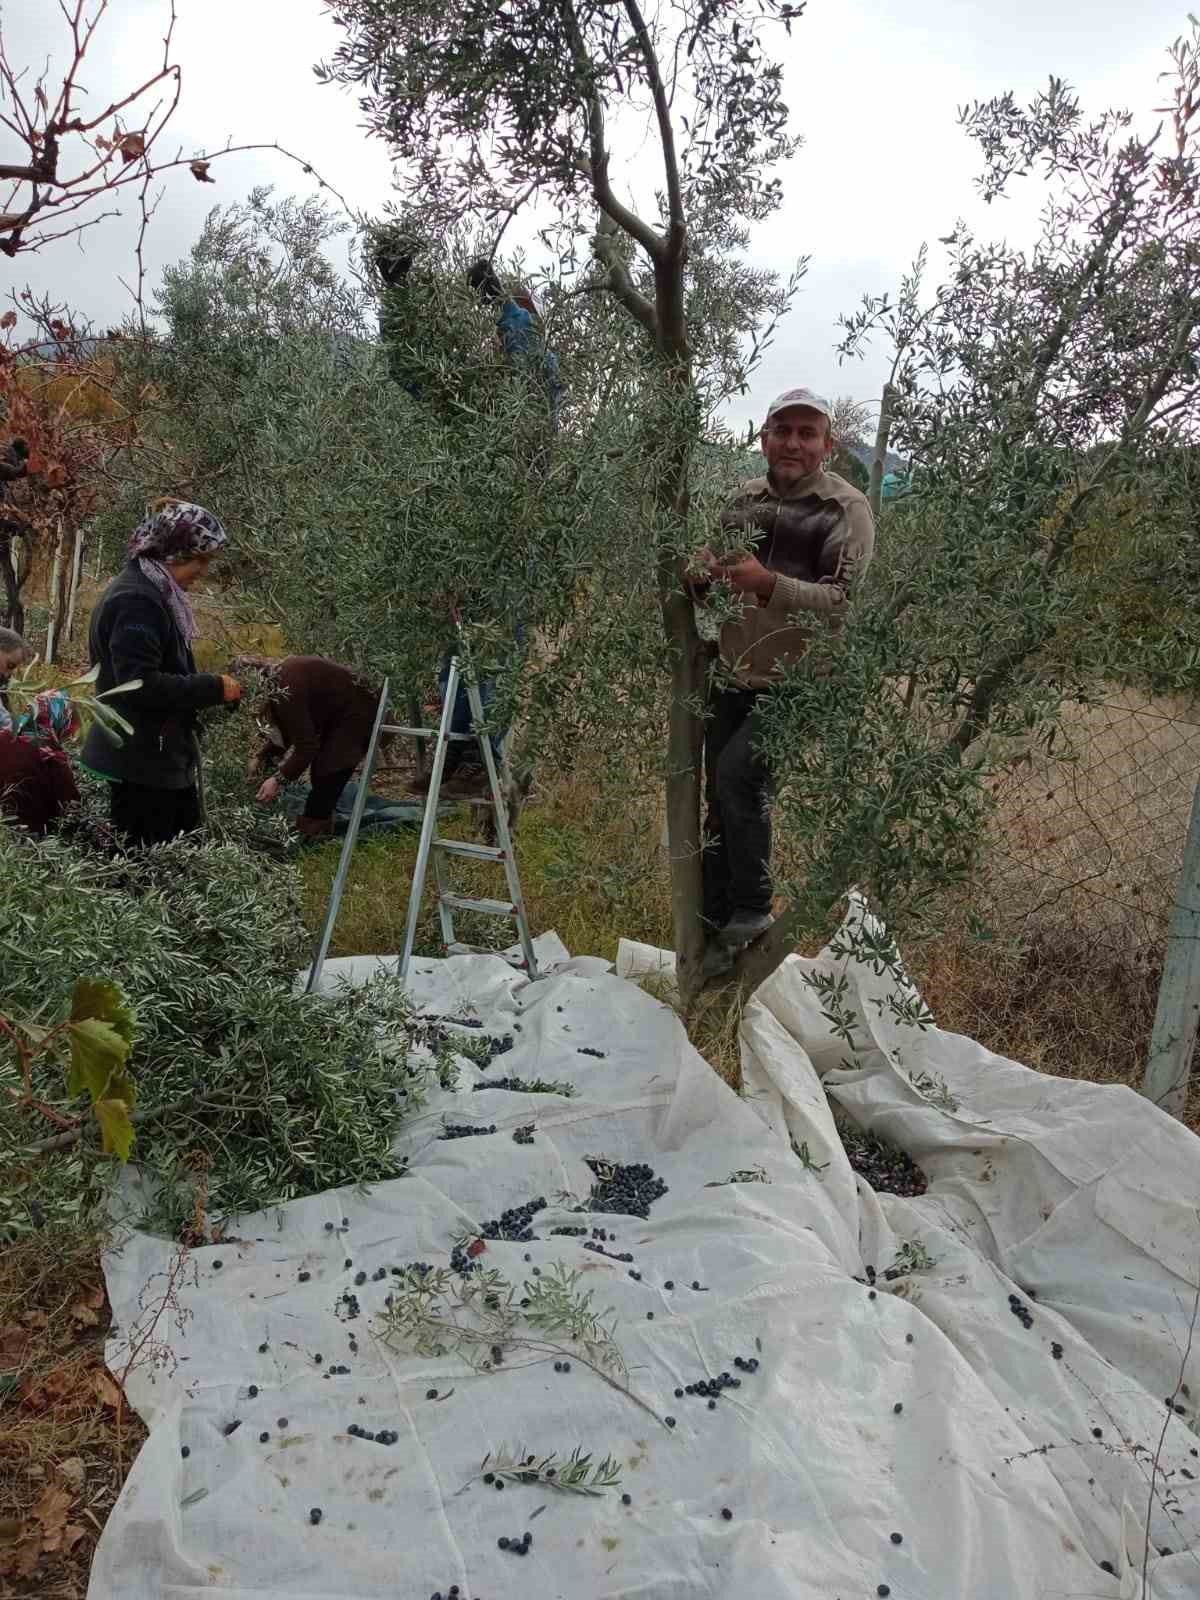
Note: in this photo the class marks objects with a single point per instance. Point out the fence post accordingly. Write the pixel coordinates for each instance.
(1171, 1044)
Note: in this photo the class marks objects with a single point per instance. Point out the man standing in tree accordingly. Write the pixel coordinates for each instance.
(793, 544)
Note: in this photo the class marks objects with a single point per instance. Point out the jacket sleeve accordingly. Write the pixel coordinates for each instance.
(844, 558)
(135, 647)
(294, 720)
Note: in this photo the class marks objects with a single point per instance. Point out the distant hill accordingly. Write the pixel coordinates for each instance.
(864, 452)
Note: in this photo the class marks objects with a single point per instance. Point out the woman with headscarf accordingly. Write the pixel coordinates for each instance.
(319, 719)
(142, 628)
(36, 781)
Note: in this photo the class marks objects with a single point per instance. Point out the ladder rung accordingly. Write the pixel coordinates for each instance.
(494, 908)
(478, 852)
(425, 733)
(458, 948)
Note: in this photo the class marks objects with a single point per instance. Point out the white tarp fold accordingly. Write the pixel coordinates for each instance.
(923, 1407)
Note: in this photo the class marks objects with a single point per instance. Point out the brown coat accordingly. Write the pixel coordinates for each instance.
(819, 539)
(36, 783)
(325, 713)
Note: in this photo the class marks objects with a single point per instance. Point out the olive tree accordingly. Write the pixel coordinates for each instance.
(492, 106)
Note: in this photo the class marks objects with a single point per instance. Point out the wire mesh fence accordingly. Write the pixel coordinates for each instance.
(1087, 840)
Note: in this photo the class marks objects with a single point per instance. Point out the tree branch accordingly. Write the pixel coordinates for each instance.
(993, 680)
(597, 168)
(620, 283)
(1044, 359)
(666, 131)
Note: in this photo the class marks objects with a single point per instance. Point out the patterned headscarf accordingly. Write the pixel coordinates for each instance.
(49, 719)
(173, 533)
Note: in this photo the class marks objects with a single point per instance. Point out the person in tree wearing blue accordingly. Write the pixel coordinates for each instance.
(521, 341)
(518, 328)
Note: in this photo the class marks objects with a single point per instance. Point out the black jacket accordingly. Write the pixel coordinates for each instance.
(133, 635)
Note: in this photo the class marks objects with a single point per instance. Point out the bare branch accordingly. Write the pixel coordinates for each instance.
(126, 158)
(666, 130)
(597, 169)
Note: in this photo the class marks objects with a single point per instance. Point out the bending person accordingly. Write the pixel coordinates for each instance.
(142, 628)
(320, 720)
(36, 781)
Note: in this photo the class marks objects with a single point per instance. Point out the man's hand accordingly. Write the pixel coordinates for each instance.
(743, 571)
(269, 792)
(231, 690)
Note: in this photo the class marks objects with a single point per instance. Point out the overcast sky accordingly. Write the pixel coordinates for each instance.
(874, 86)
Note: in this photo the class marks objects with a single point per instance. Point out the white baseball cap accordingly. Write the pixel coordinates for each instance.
(800, 397)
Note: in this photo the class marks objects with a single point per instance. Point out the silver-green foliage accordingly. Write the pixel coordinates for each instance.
(482, 1317)
(266, 1094)
(576, 1473)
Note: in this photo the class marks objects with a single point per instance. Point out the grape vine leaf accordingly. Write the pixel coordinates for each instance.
(101, 1031)
(101, 1036)
(98, 1053)
(99, 999)
(116, 1127)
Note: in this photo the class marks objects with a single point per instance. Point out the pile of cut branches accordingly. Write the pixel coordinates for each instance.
(246, 1093)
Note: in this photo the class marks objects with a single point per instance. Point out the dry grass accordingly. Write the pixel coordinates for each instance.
(1088, 843)
(65, 1446)
(1051, 1003)
(1076, 897)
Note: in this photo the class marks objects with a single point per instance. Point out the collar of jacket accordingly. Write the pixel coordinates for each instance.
(812, 484)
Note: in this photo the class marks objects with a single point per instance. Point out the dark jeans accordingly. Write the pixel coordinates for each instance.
(324, 792)
(460, 718)
(153, 816)
(737, 832)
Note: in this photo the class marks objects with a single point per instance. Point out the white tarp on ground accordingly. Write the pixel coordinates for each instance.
(1008, 1473)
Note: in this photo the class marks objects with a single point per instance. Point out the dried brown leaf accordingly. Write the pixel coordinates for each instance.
(20, 1560)
(14, 1344)
(50, 1511)
(107, 1392)
(52, 1388)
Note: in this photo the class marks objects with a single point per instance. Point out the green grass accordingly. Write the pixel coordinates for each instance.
(592, 869)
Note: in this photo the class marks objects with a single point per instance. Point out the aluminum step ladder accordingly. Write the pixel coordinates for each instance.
(432, 847)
